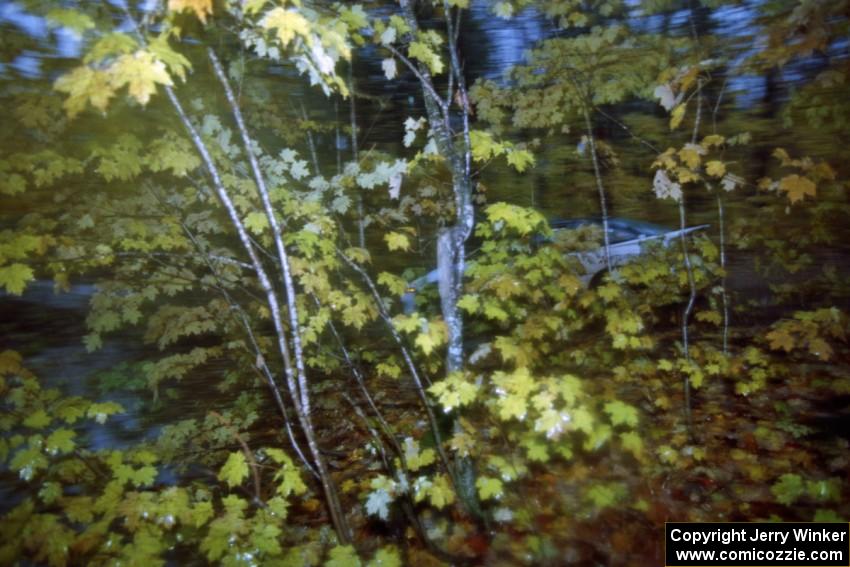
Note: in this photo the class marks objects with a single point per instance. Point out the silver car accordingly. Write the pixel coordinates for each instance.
(626, 239)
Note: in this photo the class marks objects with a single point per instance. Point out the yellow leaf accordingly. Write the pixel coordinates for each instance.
(676, 116)
(85, 85)
(690, 156)
(200, 7)
(782, 155)
(397, 241)
(712, 140)
(286, 24)
(797, 187)
(715, 168)
(685, 175)
(140, 72)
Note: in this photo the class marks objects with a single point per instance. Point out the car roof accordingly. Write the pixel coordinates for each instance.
(619, 229)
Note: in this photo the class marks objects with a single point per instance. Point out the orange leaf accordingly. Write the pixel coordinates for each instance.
(797, 187)
(200, 7)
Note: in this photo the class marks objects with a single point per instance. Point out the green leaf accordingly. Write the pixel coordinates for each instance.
(423, 52)
(15, 277)
(822, 515)
(489, 487)
(265, 537)
(397, 241)
(37, 420)
(60, 441)
(536, 451)
(520, 159)
(50, 491)
(788, 489)
(583, 420)
(440, 493)
(143, 476)
(343, 556)
(415, 458)
(176, 62)
(28, 461)
(493, 310)
(395, 284)
(256, 222)
(74, 20)
(235, 469)
(484, 146)
(109, 45)
(605, 495)
(469, 303)
(101, 411)
(621, 413)
(632, 443)
(386, 557)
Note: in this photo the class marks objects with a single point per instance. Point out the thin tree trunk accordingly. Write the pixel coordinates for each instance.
(722, 221)
(355, 152)
(723, 295)
(686, 313)
(603, 203)
(300, 389)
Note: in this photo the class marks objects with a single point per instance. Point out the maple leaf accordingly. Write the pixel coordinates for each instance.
(690, 155)
(797, 187)
(389, 67)
(85, 85)
(37, 420)
(14, 278)
(715, 168)
(820, 348)
(665, 188)
(397, 241)
(286, 24)
(520, 159)
(234, 470)
(343, 556)
(667, 98)
(621, 413)
(60, 441)
(489, 487)
(423, 52)
(75, 21)
(633, 443)
(676, 116)
(386, 557)
(712, 140)
(781, 339)
(201, 8)
(469, 303)
(140, 72)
